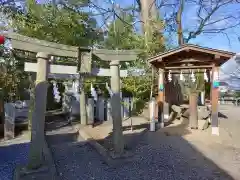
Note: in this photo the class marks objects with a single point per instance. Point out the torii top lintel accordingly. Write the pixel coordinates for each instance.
(35, 45)
(190, 56)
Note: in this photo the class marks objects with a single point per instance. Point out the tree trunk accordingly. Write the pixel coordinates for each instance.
(148, 11)
(144, 14)
(193, 99)
(179, 23)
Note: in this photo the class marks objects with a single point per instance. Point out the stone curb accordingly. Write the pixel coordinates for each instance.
(50, 166)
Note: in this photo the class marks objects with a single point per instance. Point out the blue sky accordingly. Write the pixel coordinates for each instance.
(218, 41)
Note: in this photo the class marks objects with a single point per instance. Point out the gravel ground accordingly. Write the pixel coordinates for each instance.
(10, 156)
(157, 157)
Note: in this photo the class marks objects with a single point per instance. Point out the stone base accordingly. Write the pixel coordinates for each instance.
(215, 131)
(162, 125)
(46, 171)
(152, 126)
(159, 125)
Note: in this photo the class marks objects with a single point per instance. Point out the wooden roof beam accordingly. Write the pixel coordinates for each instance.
(188, 67)
(191, 47)
(189, 60)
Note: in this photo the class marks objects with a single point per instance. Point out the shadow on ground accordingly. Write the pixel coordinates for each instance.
(156, 156)
(179, 130)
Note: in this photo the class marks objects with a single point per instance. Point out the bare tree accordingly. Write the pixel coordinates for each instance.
(210, 17)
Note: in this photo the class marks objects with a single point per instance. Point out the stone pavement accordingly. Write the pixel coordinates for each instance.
(156, 157)
(13, 153)
(188, 155)
(230, 124)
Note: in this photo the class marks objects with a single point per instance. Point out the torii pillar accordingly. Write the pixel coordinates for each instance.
(116, 108)
(214, 100)
(38, 118)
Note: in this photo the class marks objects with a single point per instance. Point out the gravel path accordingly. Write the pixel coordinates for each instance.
(10, 156)
(157, 157)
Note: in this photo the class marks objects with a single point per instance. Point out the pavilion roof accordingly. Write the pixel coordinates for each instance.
(190, 53)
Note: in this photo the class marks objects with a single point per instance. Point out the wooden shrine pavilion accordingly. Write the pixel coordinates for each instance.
(182, 60)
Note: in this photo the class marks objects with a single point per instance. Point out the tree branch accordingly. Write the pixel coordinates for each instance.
(205, 21)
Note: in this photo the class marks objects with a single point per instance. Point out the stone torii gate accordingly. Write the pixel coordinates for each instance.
(46, 49)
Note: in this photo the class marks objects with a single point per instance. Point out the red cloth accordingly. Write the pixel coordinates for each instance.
(2, 39)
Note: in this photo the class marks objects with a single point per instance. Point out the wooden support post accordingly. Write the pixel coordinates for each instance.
(38, 119)
(214, 100)
(161, 98)
(116, 108)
